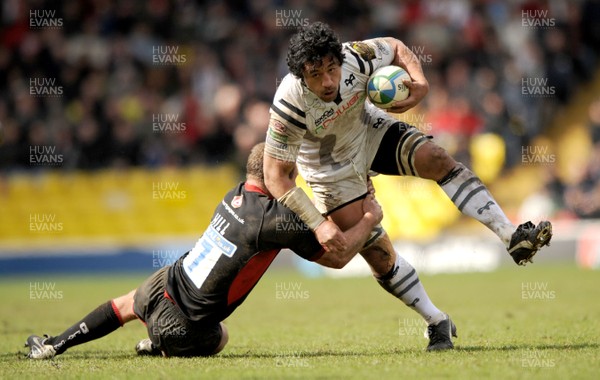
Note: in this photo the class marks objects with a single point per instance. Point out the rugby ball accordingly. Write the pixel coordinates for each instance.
(385, 86)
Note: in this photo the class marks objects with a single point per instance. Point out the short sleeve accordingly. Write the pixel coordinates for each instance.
(369, 55)
(287, 124)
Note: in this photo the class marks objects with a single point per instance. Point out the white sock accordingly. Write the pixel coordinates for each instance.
(403, 283)
(472, 198)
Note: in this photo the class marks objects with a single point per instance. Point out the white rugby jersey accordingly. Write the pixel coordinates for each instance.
(326, 138)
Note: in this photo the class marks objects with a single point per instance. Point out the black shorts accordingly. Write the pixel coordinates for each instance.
(168, 328)
(396, 151)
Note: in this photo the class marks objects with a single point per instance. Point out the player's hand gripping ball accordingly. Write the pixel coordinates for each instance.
(385, 86)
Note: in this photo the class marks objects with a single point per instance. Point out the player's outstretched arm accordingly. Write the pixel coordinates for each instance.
(355, 236)
(419, 86)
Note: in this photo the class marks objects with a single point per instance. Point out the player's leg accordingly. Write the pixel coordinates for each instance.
(402, 281)
(406, 151)
(103, 320)
(224, 339)
(175, 335)
(170, 332)
(146, 347)
(464, 189)
(146, 299)
(398, 277)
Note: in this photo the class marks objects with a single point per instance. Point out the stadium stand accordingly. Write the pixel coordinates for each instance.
(104, 103)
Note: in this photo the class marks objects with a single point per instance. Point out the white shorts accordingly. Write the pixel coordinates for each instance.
(396, 158)
(329, 196)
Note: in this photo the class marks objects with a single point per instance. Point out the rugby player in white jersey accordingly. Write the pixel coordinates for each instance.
(321, 122)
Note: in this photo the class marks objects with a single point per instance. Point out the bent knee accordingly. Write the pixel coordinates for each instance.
(224, 339)
(380, 256)
(124, 305)
(433, 162)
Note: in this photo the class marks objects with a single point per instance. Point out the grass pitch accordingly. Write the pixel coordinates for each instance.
(522, 323)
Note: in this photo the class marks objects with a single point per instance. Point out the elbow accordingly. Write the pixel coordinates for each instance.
(266, 170)
(332, 262)
(269, 177)
(339, 263)
(272, 171)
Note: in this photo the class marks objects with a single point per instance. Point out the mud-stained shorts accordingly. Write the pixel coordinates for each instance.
(168, 328)
(391, 153)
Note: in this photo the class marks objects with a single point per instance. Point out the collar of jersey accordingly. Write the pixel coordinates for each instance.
(256, 189)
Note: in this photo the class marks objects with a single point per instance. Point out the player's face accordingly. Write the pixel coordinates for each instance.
(323, 78)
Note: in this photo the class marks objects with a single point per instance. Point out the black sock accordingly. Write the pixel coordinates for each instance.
(103, 320)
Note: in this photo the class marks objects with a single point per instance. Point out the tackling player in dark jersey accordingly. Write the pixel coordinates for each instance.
(183, 304)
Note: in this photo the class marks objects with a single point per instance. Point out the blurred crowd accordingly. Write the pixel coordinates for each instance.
(177, 82)
(579, 198)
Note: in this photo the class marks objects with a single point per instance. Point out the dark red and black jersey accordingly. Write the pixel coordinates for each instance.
(247, 231)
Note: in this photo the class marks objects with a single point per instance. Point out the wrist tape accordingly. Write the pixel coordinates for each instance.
(297, 201)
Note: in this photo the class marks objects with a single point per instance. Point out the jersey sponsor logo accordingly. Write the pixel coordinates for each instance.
(272, 144)
(277, 126)
(236, 202)
(381, 47)
(325, 115)
(365, 50)
(230, 211)
(350, 80)
(486, 207)
(220, 241)
(277, 136)
(378, 123)
(350, 104)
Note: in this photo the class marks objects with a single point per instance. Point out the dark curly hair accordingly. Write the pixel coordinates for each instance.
(311, 45)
